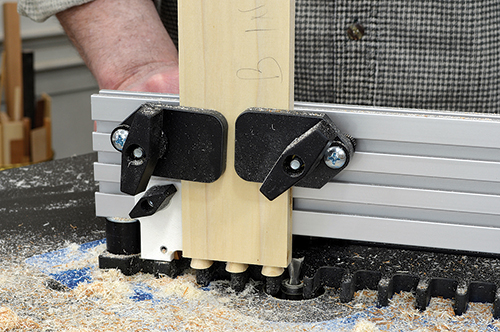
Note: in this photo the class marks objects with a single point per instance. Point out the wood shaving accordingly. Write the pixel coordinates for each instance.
(365, 326)
(113, 301)
(9, 321)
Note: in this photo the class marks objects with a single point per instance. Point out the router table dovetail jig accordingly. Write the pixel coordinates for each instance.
(418, 178)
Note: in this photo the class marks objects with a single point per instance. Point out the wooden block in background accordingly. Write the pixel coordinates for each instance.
(234, 55)
(43, 110)
(27, 144)
(39, 145)
(47, 124)
(13, 144)
(17, 151)
(41, 142)
(1, 146)
(13, 56)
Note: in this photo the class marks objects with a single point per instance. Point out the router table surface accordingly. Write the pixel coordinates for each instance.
(47, 213)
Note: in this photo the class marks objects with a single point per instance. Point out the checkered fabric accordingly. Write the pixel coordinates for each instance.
(419, 54)
(435, 54)
(40, 10)
(438, 55)
(168, 15)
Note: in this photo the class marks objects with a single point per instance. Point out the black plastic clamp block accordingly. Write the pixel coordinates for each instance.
(330, 276)
(362, 279)
(484, 292)
(132, 264)
(171, 269)
(428, 288)
(387, 287)
(127, 264)
(174, 142)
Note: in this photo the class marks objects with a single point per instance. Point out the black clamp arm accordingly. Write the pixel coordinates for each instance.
(174, 142)
(282, 149)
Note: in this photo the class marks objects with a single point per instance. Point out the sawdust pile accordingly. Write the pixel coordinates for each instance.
(10, 321)
(401, 315)
(114, 302)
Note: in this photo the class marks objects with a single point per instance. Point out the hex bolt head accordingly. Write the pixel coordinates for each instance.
(118, 138)
(138, 153)
(335, 157)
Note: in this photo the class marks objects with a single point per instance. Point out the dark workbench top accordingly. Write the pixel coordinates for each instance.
(49, 206)
(43, 206)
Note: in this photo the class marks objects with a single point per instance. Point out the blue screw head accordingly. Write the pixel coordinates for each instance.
(335, 157)
(118, 138)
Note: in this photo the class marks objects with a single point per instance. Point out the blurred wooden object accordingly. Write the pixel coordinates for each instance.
(27, 142)
(39, 144)
(13, 144)
(13, 54)
(19, 144)
(2, 86)
(41, 136)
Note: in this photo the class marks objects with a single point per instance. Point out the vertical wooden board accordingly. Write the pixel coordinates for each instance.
(39, 145)
(1, 145)
(17, 151)
(234, 55)
(47, 124)
(13, 54)
(27, 147)
(12, 131)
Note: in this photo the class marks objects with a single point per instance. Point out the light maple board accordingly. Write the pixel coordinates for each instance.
(234, 55)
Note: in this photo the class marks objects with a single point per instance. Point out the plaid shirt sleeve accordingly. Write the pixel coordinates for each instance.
(40, 10)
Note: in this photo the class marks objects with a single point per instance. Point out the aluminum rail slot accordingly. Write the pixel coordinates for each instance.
(420, 178)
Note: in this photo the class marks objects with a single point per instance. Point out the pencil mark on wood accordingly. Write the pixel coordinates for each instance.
(251, 10)
(262, 16)
(267, 68)
(258, 30)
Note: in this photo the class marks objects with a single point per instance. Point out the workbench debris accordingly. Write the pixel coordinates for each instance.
(39, 203)
(164, 304)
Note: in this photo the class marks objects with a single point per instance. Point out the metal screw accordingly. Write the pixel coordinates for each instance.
(150, 203)
(295, 164)
(118, 138)
(355, 31)
(335, 157)
(138, 153)
(163, 250)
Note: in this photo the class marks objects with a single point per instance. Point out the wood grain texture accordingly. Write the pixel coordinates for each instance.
(47, 124)
(235, 55)
(13, 131)
(39, 145)
(13, 54)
